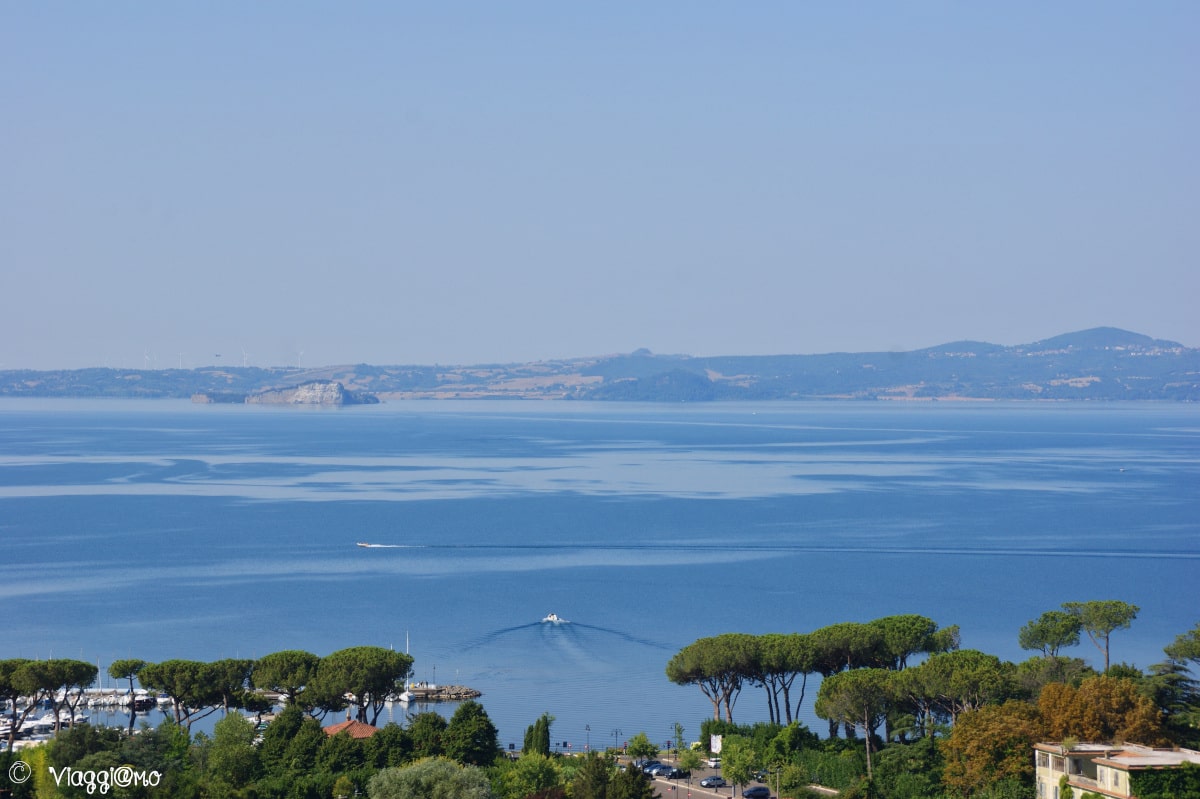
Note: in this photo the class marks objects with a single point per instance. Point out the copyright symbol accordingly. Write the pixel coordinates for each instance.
(19, 772)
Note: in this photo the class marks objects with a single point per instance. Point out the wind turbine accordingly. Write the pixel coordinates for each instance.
(299, 355)
(245, 357)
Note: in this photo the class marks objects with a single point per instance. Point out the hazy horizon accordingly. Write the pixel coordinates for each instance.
(195, 184)
(236, 363)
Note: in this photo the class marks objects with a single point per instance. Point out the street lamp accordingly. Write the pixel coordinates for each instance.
(615, 734)
(588, 746)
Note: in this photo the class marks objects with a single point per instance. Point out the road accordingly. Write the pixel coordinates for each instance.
(681, 789)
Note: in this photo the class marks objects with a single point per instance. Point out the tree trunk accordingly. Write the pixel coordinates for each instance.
(132, 705)
(803, 688)
(715, 698)
(867, 735)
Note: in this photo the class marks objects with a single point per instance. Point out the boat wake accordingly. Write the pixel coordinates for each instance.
(497, 635)
(633, 639)
(561, 633)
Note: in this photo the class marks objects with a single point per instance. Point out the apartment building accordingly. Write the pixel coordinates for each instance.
(1109, 770)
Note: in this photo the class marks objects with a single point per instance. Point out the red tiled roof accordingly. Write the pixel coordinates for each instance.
(355, 728)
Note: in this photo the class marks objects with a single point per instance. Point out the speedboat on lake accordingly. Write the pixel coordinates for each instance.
(553, 618)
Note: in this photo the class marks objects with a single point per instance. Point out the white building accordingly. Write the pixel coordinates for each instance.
(1103, 769)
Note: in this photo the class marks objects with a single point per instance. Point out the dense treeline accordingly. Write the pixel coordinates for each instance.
(960, 723)
(911, 715)
(362, 678)
(294, 758)
(723, 665)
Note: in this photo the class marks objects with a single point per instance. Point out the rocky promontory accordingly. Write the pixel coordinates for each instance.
(316, 392)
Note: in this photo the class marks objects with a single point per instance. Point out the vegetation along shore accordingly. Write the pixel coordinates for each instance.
(910, 715)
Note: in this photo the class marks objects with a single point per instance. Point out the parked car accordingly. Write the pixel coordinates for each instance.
(672, 773)
(657, 769)
(713, 782)
(649, 766)
(713, 762)
(757, 792)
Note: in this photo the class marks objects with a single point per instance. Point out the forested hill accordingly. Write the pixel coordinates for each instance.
(1097, 364)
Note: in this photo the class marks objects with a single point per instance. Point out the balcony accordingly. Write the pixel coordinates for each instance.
(1088, 784)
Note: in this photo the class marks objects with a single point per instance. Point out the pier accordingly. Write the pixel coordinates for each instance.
(423, 692)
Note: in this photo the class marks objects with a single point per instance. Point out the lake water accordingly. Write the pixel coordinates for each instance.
(162, 529)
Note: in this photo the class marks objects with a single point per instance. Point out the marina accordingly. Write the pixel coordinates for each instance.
(35, 720)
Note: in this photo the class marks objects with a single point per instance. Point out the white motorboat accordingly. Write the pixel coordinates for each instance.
(553, 618)
(64, 718)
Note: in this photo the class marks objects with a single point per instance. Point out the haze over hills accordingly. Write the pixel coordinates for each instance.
(1098, 364)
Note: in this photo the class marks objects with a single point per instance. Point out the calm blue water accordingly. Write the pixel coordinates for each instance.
(163, 529)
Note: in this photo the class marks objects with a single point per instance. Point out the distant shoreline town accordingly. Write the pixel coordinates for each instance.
(1099, 364)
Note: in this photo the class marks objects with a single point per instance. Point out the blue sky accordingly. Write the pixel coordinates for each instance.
(477, 182)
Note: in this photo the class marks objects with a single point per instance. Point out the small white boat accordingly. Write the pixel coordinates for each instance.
(65, 719)
(553, 618)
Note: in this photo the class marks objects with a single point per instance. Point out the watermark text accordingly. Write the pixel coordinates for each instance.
(104, 780)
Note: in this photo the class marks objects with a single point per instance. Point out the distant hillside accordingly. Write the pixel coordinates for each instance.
(1103, 363)
(1099, 364)
(1102, 338)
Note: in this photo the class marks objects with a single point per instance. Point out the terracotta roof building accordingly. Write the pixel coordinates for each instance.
(353, 728)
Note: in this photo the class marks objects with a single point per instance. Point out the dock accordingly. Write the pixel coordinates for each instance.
(423, 692)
